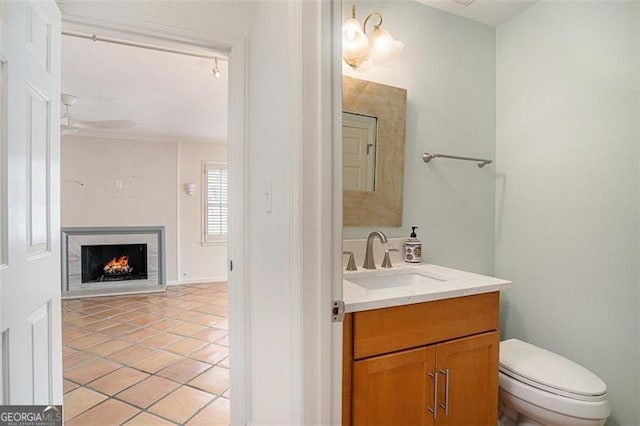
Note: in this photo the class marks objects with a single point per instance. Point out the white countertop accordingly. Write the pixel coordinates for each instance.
(454, 283)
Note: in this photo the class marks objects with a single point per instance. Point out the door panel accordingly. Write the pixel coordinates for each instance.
(30, 277)
(471, 364)
(392, 389)
(40, 322)
(37, 171)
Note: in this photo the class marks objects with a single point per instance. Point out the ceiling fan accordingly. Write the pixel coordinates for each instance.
(70, 123)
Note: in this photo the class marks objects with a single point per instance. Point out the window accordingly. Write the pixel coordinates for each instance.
(215, 201)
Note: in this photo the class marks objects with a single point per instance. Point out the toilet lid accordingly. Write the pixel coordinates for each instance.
(548, 371)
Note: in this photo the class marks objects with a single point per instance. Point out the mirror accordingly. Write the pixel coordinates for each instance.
(359, 137)
(373, 139)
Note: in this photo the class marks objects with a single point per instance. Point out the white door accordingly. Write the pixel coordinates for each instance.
(358, 152)
(30, 203)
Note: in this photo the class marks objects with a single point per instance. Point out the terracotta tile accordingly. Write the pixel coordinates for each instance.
(224, 363)
(120, 329)
(88, 340)
(187, 306)
(224, 324)
(131, 354)
(168, 323)
(127, 316)
(208, 320)
(100, 325)
(79, 400)
(227, 394)
(146, 419)
(192, 297)
(224, 341)
(174, 313)
(186, 329)
(95, 309)
(186, 346)
(161, 340)
(214, 380)
(83, 320)
(216, 413)
(180, 405)
(109, 347)
(145, 320)
(222, 311)
(66, 350)
(156, 361)
(110, 412)
(141, 334)
(132, 306)
(76, 359)
(68, 386)
(211, 334)
(148, 391)
(212, 354)
(184, 370)
(91, 371)
(71, 333)
(109, 313)
(117, 381)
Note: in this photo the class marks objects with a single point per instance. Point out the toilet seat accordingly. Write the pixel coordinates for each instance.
(551, 381)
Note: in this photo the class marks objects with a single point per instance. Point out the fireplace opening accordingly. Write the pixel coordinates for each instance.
(113, 262)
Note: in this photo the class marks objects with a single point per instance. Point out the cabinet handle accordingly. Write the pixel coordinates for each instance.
(445, 406)
(434, 410)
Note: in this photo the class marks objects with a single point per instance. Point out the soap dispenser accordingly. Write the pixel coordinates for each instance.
(413, 248)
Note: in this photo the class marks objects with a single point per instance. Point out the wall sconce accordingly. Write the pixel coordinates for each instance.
(357, 47)
(190, 188)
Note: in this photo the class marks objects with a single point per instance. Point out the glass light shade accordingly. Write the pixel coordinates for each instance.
(355, 43)
(383, 47)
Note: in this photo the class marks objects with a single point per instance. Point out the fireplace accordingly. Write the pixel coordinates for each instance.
(100, 261)
(113, 262)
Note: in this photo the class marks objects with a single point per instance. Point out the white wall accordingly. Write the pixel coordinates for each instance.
(448, 69)
(567, 203)
(149, 186)
(153, 175)
(197, 262)
(270, 253)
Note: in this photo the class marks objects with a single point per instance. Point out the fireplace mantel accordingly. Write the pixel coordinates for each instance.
(74, 238)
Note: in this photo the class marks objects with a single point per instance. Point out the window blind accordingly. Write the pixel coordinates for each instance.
(217, 201)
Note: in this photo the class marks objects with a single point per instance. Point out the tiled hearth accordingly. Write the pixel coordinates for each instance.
(152, 359)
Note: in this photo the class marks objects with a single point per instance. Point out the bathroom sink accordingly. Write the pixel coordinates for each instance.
(407, 279)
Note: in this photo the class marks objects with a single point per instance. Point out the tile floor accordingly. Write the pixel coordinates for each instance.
(152, 359)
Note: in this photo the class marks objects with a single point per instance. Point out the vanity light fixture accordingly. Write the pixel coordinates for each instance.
(216, 70)
(357, 47)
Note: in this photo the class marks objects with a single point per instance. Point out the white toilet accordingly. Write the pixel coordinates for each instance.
(539, 387)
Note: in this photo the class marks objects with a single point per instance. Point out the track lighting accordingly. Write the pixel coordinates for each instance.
(216, 70)
(357, 47)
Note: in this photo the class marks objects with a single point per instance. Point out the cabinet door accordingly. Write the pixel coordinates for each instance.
(394, 389)
(468, 388)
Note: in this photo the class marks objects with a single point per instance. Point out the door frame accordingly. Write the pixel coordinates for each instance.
(77, 18)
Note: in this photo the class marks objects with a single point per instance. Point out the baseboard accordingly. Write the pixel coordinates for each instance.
(202, 280)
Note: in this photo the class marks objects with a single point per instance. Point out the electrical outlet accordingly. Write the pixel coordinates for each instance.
(119, 184)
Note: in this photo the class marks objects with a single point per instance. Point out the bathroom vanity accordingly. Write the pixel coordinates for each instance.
(420, 346)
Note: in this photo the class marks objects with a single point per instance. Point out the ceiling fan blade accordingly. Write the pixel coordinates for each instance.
(104, 124)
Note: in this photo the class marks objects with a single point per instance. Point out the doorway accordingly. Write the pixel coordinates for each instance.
(126, 349)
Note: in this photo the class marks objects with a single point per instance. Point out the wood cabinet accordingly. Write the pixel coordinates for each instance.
(436, 365)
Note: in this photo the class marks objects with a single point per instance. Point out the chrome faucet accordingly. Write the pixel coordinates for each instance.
(369, 262)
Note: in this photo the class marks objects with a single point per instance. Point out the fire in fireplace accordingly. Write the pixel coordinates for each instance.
(113, 262)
